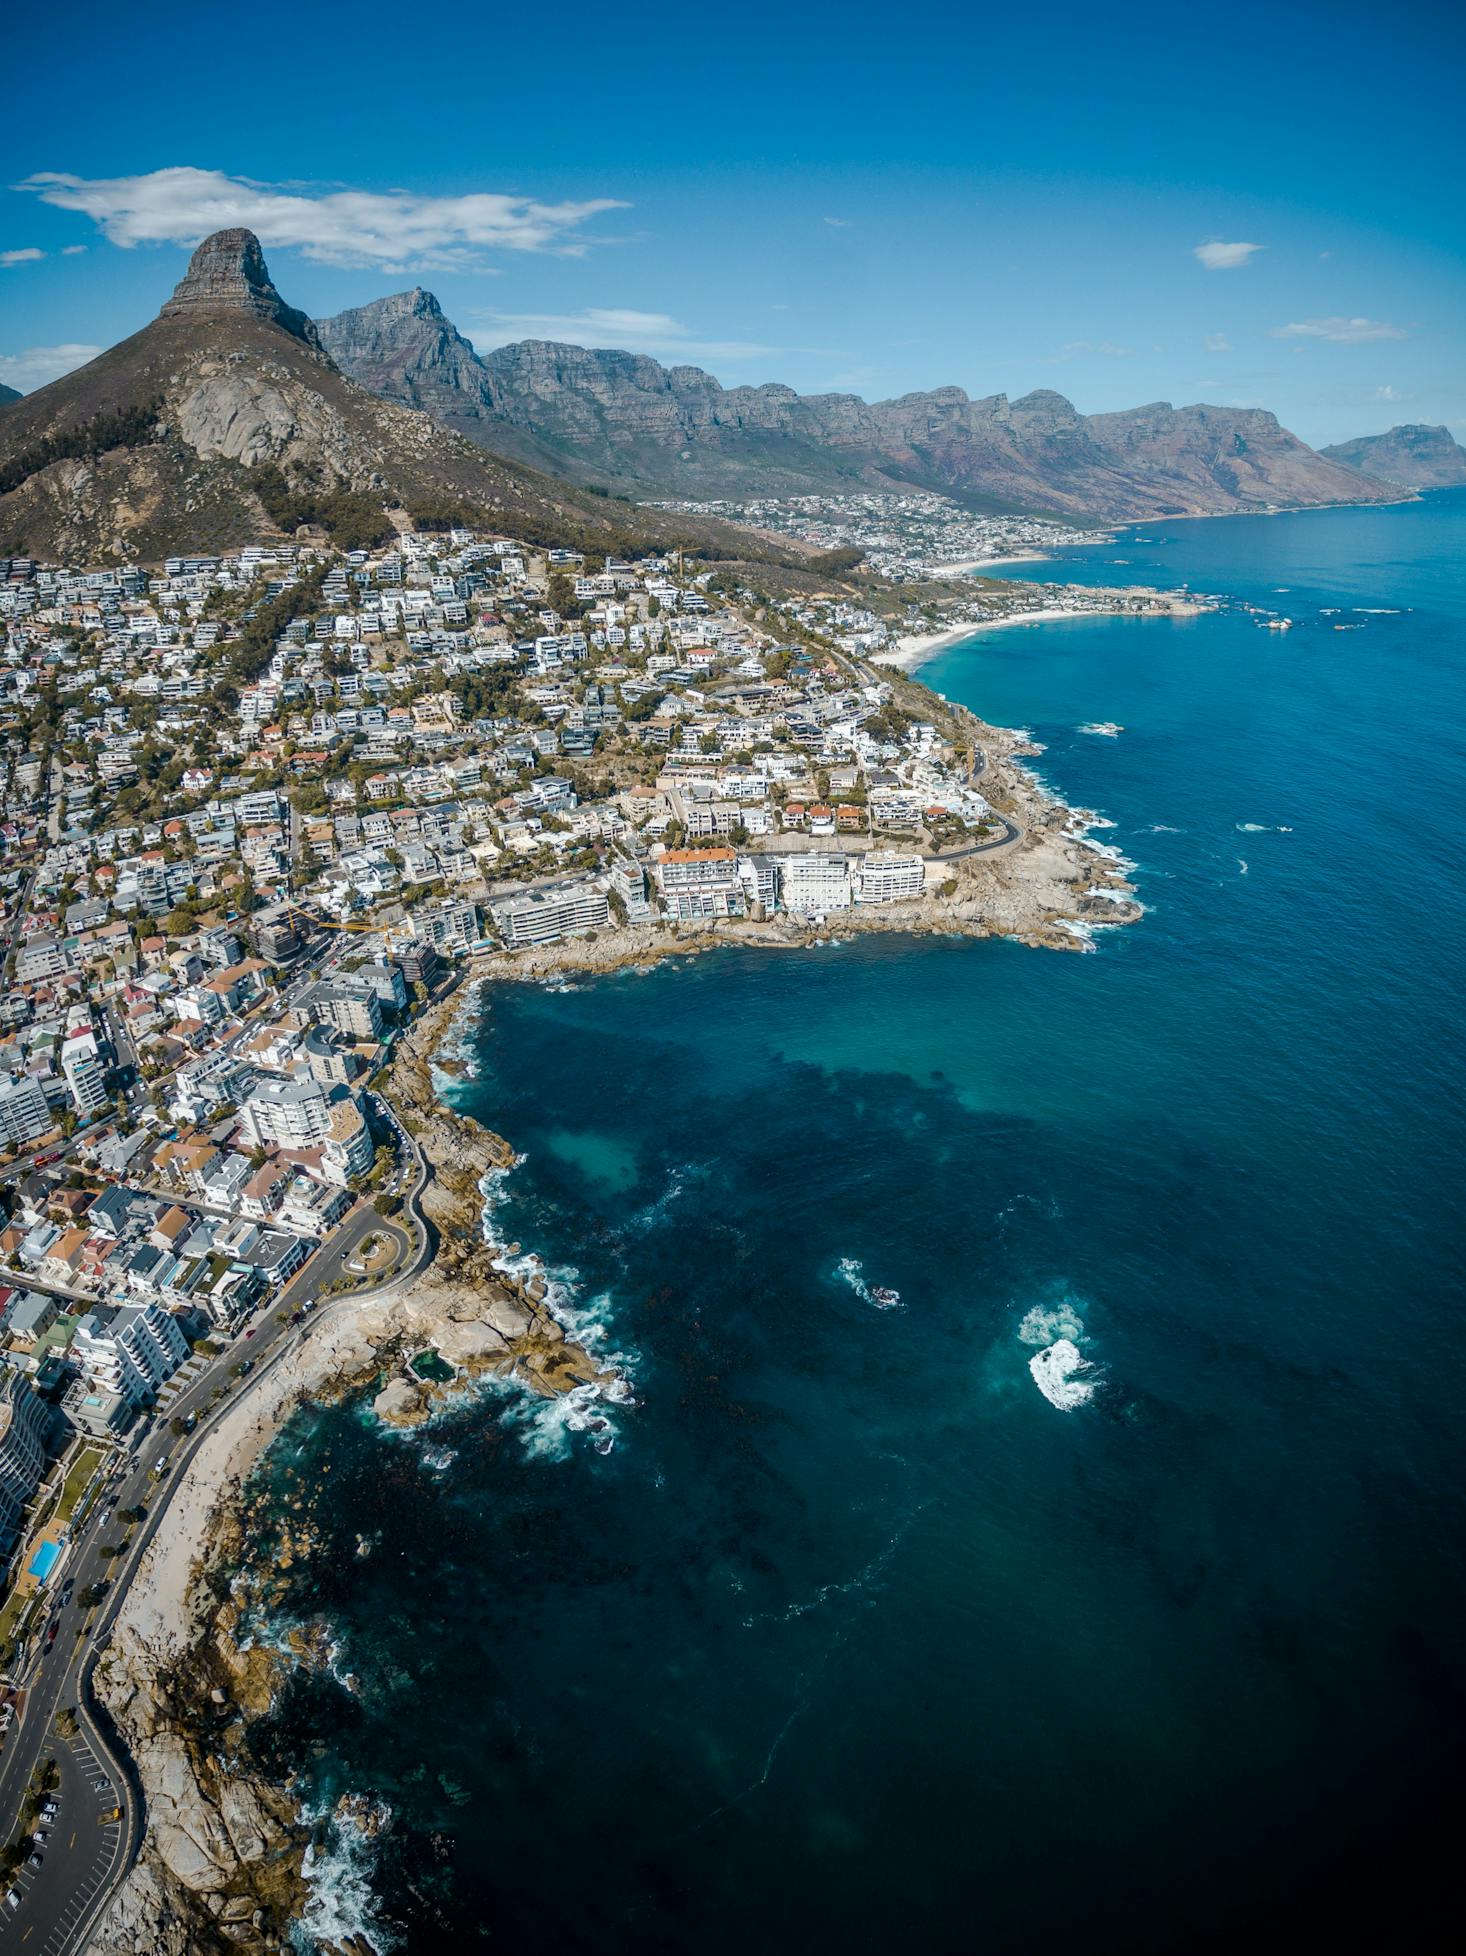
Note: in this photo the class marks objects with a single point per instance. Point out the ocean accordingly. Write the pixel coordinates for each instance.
(1041, 1511)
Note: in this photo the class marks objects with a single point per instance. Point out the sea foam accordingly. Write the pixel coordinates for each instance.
(1059, 1373)
(341, 1907)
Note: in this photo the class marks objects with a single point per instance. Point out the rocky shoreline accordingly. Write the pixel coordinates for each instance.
(1052, 887)
(224, 1860)
(224, 1863)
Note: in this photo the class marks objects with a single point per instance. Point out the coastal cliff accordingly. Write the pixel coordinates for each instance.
(224, 1860)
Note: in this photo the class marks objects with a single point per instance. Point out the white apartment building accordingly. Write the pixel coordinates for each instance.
(84, 1073)
(349, 1149)
(698, 883)
(815, 884)
(130, 1352)
(547, 916)
(25, 1113)
(287, 1114)
(888, 877)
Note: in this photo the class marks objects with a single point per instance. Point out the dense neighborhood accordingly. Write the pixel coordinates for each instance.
(259, 809)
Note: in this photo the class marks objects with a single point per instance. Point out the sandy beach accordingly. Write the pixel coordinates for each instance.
(908, 653)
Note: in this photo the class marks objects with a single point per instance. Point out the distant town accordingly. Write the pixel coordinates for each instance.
(909, 538)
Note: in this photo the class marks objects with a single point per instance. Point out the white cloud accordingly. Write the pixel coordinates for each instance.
(394, 230)
(1107, 348)
(840, 223)
(23, 257)
(1388, 393)
(1345, 332)
(38, 364)
(1219, 257)
(613, 326)
(71, 251)
(1218, 343)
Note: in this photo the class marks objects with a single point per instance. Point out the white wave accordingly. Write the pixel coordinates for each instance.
(439, 1459)
(879, 1296)
(1161, 828)
(550, 1426)
(1241, 865)
(1110, 729)
(1077, 927)
(341, 1906)
(588, 1322)
(1377, 610)
(1045, 1322)
(1059, 1372)
(1251, 828)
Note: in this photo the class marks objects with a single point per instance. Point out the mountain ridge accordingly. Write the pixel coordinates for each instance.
(605, 415)
(182, 436)
(1415, 455)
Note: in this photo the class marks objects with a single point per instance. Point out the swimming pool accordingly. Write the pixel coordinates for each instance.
(44, 1561)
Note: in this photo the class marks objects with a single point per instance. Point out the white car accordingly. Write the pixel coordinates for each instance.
(12, 1898)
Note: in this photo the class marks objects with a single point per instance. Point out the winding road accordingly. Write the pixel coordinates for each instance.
(87, 1853)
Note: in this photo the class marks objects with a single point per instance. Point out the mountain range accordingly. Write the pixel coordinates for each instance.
(614, 418)
(225, 420)
(1414, 455)
(233, 415)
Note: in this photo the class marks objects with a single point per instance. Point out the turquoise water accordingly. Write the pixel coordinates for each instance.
(854, 1638)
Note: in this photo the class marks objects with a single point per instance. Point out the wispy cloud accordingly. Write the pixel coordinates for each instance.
(38, 364)
(25, 256)
(840, 223)
(72, 251)
(656, 333)
(1388, 393)
(394, 230)
(1345, 332)
(1218, 343)
(1220, 257)
(1073, 349)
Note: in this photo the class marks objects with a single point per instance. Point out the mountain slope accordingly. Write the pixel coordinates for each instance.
(1414, 455)
(611, 417)
(169, 441)
(8, 394)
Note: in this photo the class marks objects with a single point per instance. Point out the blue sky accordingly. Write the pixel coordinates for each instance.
(1063, 199)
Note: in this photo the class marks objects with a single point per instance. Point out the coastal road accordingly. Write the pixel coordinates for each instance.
(84, 1857)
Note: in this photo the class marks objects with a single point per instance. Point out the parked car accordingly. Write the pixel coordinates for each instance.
(12, 1898)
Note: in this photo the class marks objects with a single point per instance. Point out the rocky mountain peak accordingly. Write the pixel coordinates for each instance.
(228, 273)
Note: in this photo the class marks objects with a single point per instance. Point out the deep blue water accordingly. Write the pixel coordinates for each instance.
(855, 1640)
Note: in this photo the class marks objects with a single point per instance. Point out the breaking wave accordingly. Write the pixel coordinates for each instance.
(341, 1908)
(1059, 1373)
(549, 1426)
(1065, 1377)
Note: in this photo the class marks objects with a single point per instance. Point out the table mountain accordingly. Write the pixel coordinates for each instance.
(1414, 455)
(611, 417)
(226, 417)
